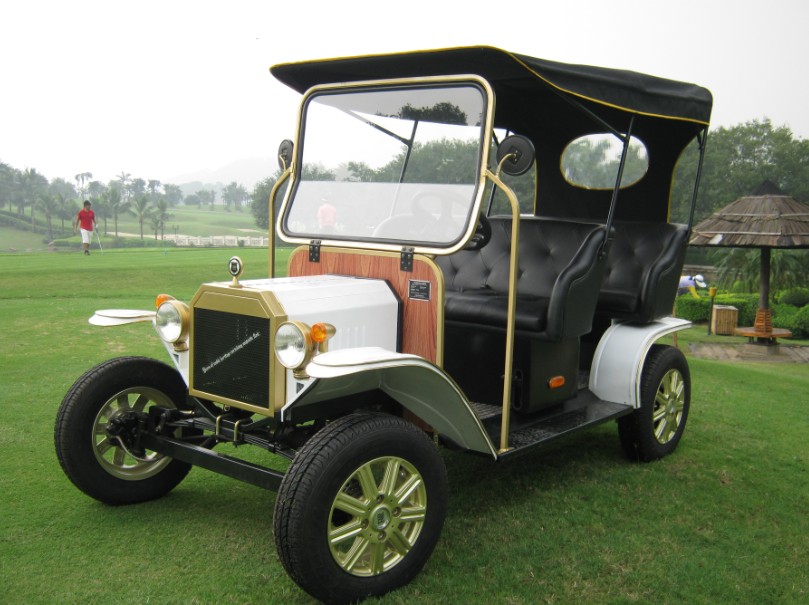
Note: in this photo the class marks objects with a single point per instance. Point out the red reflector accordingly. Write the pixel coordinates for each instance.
(556, 382)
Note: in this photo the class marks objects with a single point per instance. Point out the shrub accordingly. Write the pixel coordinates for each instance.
(797, 297)
(693, 309)
(784, 316)
(801, 329)
(698, 310)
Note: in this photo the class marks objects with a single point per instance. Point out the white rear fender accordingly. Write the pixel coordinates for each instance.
(415, 383)
(618, 361)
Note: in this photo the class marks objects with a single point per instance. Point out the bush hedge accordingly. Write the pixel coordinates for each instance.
(797, 297)
(699, 310)
(784, 315)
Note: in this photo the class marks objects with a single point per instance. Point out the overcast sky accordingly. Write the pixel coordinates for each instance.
(158, 89)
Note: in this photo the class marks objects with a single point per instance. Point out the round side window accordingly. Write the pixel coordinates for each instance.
(592, 161)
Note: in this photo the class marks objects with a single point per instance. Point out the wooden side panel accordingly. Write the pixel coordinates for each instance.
(423, 320)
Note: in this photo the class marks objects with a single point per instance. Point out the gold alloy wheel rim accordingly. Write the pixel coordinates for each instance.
(377, 516)
(669, 405)
(111, 456)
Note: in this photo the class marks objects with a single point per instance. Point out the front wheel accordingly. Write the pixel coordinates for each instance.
(361, 508)
(97, 463)
(654, 430)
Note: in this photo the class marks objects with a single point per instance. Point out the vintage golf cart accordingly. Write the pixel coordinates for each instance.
(425, 305)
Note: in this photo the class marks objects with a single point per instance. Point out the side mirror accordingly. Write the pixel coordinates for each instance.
(285, 150)
(520, 154)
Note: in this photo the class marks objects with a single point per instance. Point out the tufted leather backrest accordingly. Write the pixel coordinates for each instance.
(643, 269)
(546, 247)
(558, 262)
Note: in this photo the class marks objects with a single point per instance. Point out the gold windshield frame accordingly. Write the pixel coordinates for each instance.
(483, 164)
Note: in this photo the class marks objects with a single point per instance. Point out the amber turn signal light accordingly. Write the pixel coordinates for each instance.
(161, 298)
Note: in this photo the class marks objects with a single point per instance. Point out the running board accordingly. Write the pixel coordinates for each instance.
(581, 412)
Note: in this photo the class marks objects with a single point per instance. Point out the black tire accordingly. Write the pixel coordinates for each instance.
(98, 468)
(654, 430)
(392, 534)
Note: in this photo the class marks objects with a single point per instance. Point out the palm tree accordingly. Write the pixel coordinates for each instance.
(153, 186)
(142, 210)
(6, 184)
(63, 193)
(49, 204)
(81, 180)
(161, 214)
(123, 180)
(116, 205)
(33, 186)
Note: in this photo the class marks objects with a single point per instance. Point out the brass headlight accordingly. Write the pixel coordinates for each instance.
(293, 344)
(172, 322)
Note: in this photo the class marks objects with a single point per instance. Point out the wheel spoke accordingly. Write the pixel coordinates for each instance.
(123, 403)
(413, 514)
(104, 446)
(141, 402)
(399, 542)
(349, 531)
(391, 476)
(356, 552)
(661, 432)
(659, 413)
(365, 476)
(119, 456)
(377, 563)
(404, 492)
(351, 505)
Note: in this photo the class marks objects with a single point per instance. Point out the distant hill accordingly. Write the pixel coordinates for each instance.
(246, 172)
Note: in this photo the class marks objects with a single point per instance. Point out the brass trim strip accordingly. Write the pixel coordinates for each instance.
(512, 303)
(271, 225)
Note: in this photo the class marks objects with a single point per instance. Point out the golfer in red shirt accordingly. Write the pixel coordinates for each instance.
(87, 219)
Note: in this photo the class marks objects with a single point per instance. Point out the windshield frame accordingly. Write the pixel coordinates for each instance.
(380, 243)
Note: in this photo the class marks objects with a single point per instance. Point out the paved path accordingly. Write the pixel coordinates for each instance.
(750, 352)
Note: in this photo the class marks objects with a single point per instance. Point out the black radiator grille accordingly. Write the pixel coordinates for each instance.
(232, 356)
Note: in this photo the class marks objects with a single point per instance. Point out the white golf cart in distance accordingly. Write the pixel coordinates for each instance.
(426, 304)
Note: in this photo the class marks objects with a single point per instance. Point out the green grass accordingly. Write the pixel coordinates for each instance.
(723, 520)
(15, 240)
(193, 221)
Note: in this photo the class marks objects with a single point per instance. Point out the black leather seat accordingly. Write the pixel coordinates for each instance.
(643, 270)
(559, 275)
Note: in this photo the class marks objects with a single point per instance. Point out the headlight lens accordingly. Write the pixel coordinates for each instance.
(172, 320)
(293, 344)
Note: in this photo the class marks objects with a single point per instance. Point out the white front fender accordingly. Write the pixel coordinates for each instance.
(415, 383)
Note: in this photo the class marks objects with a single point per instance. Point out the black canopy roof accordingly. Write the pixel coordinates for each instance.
(509, 72)
(553, 104)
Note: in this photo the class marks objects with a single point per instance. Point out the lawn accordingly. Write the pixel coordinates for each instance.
(723, 520)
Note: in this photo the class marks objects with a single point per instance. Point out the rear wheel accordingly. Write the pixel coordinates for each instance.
(654, 430)
(95, 462)
(361, 508)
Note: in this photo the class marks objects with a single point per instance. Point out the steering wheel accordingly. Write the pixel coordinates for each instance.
(482, 234)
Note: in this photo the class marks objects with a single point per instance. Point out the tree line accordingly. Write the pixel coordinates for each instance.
(29, 196)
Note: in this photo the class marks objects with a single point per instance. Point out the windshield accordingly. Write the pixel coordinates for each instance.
(397, 165)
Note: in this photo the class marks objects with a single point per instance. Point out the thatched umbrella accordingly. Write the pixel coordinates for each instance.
(765, 219)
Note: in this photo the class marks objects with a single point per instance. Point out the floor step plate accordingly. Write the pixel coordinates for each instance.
(531, 430)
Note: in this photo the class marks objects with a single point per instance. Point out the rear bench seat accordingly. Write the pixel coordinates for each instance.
(558, 281)
(643, 271)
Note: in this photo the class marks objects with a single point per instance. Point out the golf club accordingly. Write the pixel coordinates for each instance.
(99, 242)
